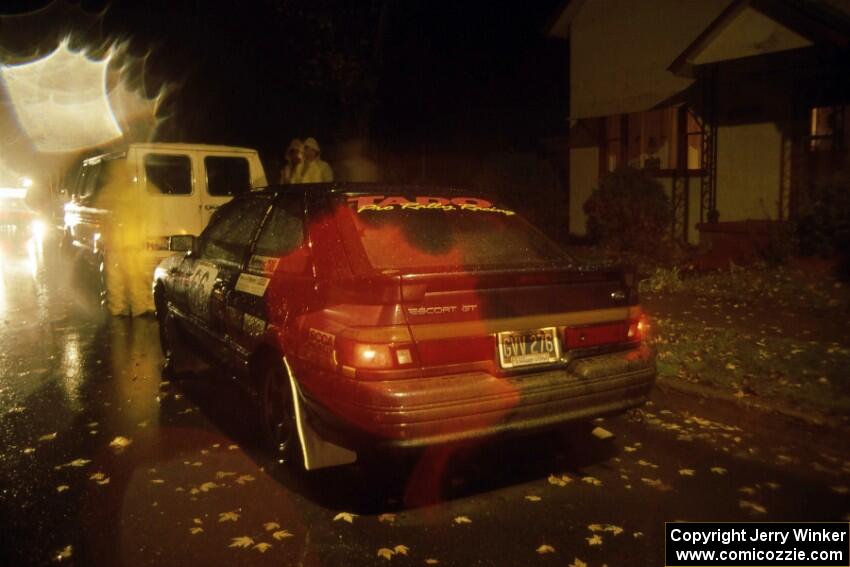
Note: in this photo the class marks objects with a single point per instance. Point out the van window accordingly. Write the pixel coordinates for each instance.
(227, 176)
(89, 181)
(169, 174)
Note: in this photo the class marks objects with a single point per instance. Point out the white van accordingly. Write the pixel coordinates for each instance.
(176, 187)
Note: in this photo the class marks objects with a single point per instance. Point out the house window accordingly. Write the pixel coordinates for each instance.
(827, 128)
(649, 140)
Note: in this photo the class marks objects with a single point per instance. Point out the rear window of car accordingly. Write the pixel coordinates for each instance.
(434, 232)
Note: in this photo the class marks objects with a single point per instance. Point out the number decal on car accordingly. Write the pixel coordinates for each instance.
(200, 287)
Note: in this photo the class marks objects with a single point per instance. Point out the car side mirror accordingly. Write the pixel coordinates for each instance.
(182, 243)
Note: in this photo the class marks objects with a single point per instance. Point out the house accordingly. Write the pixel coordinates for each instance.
(739, 107)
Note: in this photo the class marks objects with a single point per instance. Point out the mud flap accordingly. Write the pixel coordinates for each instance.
(318, 452)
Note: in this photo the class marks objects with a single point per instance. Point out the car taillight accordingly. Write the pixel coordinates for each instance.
(358, 355)
(639, 329)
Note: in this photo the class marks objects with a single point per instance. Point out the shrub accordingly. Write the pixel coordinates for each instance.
(629, 211)
(823, 222)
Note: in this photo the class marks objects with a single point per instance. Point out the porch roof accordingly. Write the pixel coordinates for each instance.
(748, 28)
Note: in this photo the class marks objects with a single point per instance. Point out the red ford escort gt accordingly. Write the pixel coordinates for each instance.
(390, 316)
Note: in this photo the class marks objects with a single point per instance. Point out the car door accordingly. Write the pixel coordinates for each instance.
(221, 255)
(278, 270)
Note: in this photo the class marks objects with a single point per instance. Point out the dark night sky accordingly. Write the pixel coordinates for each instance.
(455, 74)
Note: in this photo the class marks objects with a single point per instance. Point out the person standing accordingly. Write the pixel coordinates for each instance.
(126, 271)
(290, 172)
(313, 168)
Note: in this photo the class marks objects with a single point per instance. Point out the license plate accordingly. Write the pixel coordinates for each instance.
(525, 348)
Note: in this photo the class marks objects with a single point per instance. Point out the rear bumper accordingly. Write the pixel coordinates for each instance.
(445, 409)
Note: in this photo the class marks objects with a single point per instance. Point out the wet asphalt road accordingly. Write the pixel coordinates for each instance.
(102, 463)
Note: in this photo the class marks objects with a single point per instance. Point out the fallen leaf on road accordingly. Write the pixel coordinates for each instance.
(592, 480)
(657, 484)
(389, 518)
(345, 517)
(242, 541)
(577, 563)
(543, 549)
(532, 498)
(99, 478)
(752, 506)
(386, 553)
(271, 526)
(207, 486)
(431, 561)
(637, 535)
(282, 534)
(718, 470)
(120, 443)
(48, 437)
(196, 530)
(601, 433)
(157, 481)
(228, 516)
(197, 521)
(401, 549)
(562, 480)
(244, 478)
(616, 530)
(687, 472)
(629, 449)
(65, 553)
(595, 539)
(220, 474)
(262, 547)
(232, 447)
(730, 366)
(772, 485)
(28, 450)
(748, 490)
(62, 488)
(839, 489)
(462, 520)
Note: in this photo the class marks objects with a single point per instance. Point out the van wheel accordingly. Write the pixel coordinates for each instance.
(278, 413)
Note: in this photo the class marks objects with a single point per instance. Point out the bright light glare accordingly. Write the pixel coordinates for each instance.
(72, 218)
(39, 229)
(12, 193)
(61, 101)
(26, 182)
(33, 256)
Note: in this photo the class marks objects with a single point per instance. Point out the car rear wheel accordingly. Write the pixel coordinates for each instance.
(278, 413)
